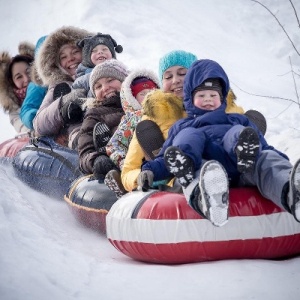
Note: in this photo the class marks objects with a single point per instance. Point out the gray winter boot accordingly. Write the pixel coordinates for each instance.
(294, 191)
(213, 194)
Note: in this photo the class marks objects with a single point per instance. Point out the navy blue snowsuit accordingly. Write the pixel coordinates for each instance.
(201, 134)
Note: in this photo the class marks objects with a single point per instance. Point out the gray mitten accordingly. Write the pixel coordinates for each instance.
(145, 180)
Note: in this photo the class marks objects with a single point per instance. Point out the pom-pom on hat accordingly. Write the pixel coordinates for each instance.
(175, 58)
(213, 84)
(111, 68)
(142, 83)
(89, 43)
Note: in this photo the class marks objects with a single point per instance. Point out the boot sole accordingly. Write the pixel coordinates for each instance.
(179, 165)
(214, 189)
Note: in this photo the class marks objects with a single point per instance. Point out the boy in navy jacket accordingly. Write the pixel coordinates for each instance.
(210, 150)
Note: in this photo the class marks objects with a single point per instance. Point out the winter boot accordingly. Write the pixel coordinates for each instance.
(294, 191)
(150, 138)
(113, 182)
(246, 150)
(213, 193)
(180, 165)
(258, 119)
(101, 136)
(60, 90)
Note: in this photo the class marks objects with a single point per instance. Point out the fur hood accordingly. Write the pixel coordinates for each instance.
(129, 102)
(163, 107)
(47, 65)
(8, 100)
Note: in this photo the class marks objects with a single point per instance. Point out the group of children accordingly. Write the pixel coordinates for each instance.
(181, 131)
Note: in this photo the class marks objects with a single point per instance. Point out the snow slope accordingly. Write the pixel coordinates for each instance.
(45, 253)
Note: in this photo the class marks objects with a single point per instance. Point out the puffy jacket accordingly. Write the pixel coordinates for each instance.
(118, 145)
(212, 124)
(32, 102)
(48, 120)
(109, 112)
(164, 109)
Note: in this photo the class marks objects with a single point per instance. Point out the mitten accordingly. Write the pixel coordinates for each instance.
(70, 107)
(71, 112)
(102, 165)
(101, 136)
(145, 180)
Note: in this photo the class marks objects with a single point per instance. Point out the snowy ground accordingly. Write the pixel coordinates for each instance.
(46, 254)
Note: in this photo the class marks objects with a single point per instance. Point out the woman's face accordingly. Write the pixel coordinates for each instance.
(69, 58)
(172, 80)
(20, 74)
(106, 87)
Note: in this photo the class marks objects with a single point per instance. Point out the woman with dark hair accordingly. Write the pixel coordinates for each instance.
(14, 80)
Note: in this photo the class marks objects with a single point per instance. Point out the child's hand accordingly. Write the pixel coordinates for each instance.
(145, 180)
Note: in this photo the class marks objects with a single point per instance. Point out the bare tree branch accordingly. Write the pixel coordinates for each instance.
(262, 96)
(295, 13)
(294, 81)
(279, 24)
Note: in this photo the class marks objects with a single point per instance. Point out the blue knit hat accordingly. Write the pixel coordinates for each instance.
(175, 58)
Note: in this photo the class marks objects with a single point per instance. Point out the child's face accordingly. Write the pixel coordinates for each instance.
(106, 87)
(207, 99)
(20, 74)
(100, 54)
(69, 58)
(141, 95)
(172, 80)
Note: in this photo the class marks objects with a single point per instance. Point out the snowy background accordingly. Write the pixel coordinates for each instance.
(45, 253)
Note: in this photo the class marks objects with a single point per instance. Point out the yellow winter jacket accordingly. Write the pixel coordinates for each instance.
(231, 106)
(162, 108)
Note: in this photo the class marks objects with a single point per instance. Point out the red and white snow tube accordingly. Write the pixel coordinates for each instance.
(160, 227)
(12, 146)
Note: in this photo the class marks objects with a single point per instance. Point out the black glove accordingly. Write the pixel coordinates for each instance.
(71, 113)
(145, 180)
(102, 165)
(70, 108)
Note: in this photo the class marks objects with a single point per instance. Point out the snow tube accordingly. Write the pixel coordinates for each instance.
(160, 227)
(11, 147)
(89, 200)
(47, 167)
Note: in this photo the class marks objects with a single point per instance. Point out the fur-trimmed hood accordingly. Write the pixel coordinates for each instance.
(163, 107)
(47, 64)
(8, 99)
(129, 102)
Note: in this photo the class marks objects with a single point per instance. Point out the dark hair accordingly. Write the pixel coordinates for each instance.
(16, 59)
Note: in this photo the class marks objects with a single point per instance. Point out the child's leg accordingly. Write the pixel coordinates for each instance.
(294, 191)
(208, 193)
(277, 180)
(242, 142)
(185, 156)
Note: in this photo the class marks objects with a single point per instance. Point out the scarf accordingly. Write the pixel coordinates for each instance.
(20, 94)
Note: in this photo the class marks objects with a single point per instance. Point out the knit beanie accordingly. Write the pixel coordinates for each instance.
(213, 84)
(111, 68)
(142, 83)
(175, 58)
(89, 43)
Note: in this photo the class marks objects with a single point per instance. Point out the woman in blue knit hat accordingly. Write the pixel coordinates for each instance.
(172, 70)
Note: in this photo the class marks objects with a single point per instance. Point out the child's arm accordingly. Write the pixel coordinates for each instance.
(132, 165)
